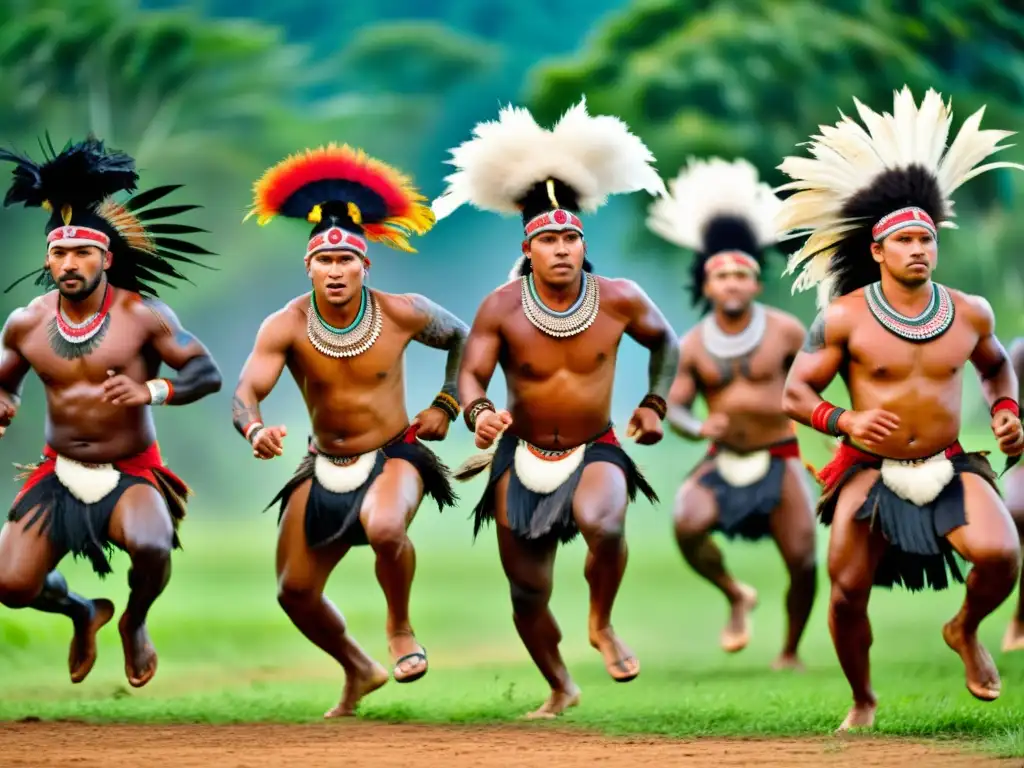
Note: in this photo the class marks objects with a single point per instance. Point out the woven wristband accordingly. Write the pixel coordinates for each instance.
(474, 409)
(448, 404)
(160, 391)
(1005, 404)
(825, 418)
(656, 403)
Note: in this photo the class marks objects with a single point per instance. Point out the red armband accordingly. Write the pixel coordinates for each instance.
(825, 418)
(1005, 404)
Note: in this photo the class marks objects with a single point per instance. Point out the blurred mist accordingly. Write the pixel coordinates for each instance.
(202, 97)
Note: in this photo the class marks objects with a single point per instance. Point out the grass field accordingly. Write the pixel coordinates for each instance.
(229, 654)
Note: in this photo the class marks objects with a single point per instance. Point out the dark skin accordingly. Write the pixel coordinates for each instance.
(744, 413)
(355, 405)
(96, 413)
(1014, 638)
(559, 397)
(906, 401)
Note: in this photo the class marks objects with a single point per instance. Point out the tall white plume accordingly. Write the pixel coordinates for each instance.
(596, 155)
(706, 189)
(847, 158)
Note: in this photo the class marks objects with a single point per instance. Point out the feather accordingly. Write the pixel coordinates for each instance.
(857, 174)
(596, 156)
(708, 189)
(473, 466)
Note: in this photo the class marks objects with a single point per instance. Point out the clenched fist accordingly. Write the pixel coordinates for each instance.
(489, 425)
(268, 442)
(869, 428)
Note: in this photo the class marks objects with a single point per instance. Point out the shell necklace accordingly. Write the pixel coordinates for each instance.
(350, 341)
(576, 319)
(934, 321)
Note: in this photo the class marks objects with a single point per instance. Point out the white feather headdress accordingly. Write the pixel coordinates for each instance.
(832, 203)
(597, 156)
(708, 189)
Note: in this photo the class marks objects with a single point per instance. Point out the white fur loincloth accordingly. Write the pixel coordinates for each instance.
(742, 469)
(543, 475)
(919, 481)
(343, 475)
(89, 483)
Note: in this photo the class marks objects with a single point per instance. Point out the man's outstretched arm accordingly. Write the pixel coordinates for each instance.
(198, 374)
(260, 373)
(480, 359)
(440, 329)
(813, 369)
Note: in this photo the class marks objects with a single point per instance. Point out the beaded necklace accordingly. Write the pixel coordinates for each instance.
(574, 320)
(934, 321)
(73, 340)
(352, 340)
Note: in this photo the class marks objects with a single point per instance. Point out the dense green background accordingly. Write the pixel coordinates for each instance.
(204, 98)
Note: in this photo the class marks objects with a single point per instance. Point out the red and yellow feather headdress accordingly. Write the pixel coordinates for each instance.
(345, 194)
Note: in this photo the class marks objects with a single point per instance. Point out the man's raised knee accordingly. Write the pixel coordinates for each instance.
(18, 590)
(386, 535)
(849, 600)
(294, 596)
(1004, 561)
(602, 524)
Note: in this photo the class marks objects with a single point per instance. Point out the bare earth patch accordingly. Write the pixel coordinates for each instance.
(357, 744)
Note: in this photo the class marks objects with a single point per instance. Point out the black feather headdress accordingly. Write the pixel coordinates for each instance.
(77, 187)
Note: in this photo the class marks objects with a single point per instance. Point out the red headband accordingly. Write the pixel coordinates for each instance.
(557, 220)
(335, 239)
(729, 260)
(68, 237)
(901, 219)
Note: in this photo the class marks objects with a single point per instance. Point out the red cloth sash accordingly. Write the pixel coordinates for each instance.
(847, 456)
(142, 465)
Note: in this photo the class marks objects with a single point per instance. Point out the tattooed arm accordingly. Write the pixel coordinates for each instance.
(817, 363)
(261, 371)
(648, 327)
(682, 396)
(198, 375)
(13, 367)
(440, 329)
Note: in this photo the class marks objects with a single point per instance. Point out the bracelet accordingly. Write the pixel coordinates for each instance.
(656, 403)
(825, 418)
(1005, 404)
(472, 413)
(251, 429)
(448, 404)
(160, 391)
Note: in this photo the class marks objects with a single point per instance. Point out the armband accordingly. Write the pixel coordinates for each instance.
(448, 404)
(825, 418)
(656, 403)
(251, 430)
(160, 391)
(1005, 404)
(474, 410)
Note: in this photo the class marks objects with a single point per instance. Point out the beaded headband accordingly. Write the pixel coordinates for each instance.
(901, 219)
(69, 237)
(731, 260)
(334, 239)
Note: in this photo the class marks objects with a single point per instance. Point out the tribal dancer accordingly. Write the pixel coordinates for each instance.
(555, 328)
(97, 342)
(751, 483)
(1014, 638)
(365, 471)
(901, 494)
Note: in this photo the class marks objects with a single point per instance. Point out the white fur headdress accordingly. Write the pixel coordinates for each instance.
(706, 190)
(857, 177)
(596, 156)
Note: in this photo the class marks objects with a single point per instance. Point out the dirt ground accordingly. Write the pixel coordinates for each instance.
(356, 744)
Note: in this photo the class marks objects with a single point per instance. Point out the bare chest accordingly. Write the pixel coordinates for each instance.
(765, 364)
(380, 363)
(882, 356)
(119, 347)
(530, 353)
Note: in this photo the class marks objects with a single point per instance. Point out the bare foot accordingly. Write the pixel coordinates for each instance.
(139, 653)
(736, 634)
(409, 656)
(557, 703)
(1013, 640)
(82, 655)
(982, 676)
(356, 687)
(788, 661)
(620, 662)
(860, 716)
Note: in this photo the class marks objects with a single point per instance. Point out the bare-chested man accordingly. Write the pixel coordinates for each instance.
(901, 494)
(555, 328)
(752, 482)
(97, 345)
(1014, 638)
(366, 470)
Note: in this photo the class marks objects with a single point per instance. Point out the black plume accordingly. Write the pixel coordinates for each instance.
(82, 175)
